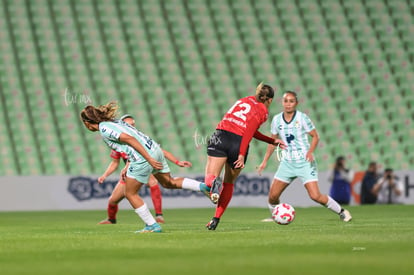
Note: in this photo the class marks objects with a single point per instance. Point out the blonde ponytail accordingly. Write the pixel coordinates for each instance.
(264, 92)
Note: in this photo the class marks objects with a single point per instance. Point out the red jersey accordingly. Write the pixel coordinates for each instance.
(244, 118)
(118, 155)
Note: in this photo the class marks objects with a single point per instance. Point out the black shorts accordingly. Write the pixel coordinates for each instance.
(225, 144)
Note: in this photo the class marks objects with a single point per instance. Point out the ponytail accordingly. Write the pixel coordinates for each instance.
(96, 115)
(264, 92)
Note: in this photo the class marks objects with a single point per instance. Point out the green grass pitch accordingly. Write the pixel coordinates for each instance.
(380, 240)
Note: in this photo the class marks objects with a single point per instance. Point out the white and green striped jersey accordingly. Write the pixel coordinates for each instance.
(294, 134)
(112, 130)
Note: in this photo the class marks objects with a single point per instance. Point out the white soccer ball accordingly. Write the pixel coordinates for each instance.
(283, 214)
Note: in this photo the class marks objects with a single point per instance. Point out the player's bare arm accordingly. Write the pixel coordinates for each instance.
(127, 139)
(269, 151)
(315, 140)
(111, 168)
(124, 171)
(168, 155)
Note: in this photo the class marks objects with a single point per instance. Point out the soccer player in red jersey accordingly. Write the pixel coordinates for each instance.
(118, 194)
(228, 146)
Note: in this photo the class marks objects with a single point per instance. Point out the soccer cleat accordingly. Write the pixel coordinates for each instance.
(213, 223)
(154, 228)
(108, 221)
(345, 215)
(267, 220)
(205, 189)
(159, 219)
(216, 188)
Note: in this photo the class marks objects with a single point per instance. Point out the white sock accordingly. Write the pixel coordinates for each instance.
(144, 213)
(191, 184)
(333, 205)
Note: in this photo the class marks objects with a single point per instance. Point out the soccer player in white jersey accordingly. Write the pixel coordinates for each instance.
(145, 157)
(294, 127)
(118, 193)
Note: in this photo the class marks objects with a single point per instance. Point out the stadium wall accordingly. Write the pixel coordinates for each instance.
(33, 193)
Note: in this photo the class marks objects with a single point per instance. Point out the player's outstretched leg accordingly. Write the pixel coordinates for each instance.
(167, 181)
(327, 201)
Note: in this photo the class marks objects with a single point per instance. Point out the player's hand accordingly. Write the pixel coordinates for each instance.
(101, 179)
(184, 163)
(261, 167)
(280, 143)
(309, 157)
(155, 164)
(239, 163)
(124, 172)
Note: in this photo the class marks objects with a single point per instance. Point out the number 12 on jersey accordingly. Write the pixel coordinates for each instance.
(242, 110)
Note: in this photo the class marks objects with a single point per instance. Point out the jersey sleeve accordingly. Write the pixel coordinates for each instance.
(109, 132)
(260, 136)
(307, 123)
(115, 155)
(273, 126)
(124, 155)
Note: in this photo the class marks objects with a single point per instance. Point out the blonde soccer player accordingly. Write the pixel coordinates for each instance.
(229, 144)
(297, 161)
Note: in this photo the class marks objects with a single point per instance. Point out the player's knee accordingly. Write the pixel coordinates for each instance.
(169, 185)
(152, 182)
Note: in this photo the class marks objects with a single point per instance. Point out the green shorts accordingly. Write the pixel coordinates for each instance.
(306, 171)
(141, 171)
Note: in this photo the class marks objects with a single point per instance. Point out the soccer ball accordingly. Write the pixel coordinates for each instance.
(283, 214)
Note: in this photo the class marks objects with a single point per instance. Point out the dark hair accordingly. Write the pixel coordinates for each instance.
(338, 162)
(96, 115)
(292, 93)
(339, 159)
(264, 92)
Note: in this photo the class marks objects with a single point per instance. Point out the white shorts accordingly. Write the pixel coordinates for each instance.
(306, 171)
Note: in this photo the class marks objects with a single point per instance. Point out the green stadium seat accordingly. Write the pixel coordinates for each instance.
(348, 60)
(8, 165)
